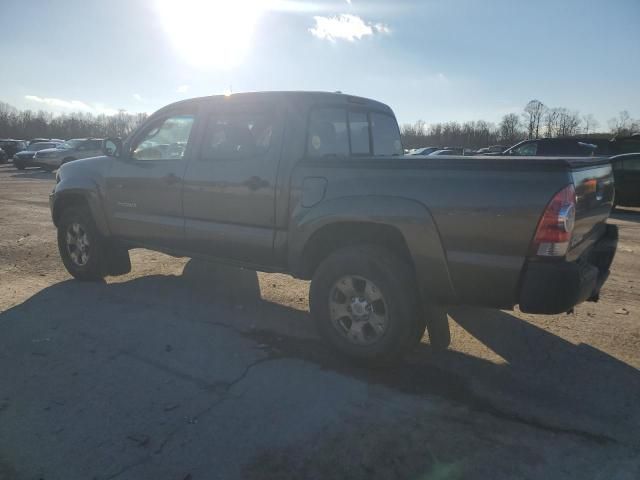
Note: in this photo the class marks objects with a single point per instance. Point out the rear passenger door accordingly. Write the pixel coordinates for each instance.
(230, 185)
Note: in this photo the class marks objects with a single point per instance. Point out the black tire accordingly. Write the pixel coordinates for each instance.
(20, 167)
(94, 267)
(396, 282)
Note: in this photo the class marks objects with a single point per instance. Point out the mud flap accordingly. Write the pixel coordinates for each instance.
(117, 261)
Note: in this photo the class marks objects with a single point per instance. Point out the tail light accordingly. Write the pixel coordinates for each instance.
(553, 234)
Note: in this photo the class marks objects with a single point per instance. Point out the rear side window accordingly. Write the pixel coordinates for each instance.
(386, 136)
(359, 130)
(236, 135)
(328, 133)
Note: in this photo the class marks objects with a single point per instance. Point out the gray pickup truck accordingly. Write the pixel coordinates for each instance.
(315, 185)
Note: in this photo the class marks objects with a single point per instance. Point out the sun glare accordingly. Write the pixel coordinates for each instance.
(210, 33)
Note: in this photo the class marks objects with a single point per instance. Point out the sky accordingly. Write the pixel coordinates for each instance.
(435, 60)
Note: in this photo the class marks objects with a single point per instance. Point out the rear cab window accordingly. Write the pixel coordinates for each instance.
(344, 132)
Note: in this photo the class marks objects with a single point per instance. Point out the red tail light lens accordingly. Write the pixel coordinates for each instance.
(553, 234)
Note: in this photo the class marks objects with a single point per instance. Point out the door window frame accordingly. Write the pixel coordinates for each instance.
(154, 120)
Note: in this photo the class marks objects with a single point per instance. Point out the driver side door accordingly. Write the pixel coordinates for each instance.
(144, 185)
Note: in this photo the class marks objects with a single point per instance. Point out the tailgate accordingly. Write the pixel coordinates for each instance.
(594, 200)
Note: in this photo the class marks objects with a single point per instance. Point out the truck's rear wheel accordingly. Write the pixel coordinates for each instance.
(81, 246)
(364, 302)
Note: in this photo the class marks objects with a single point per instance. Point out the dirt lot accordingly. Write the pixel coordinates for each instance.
(183, 370)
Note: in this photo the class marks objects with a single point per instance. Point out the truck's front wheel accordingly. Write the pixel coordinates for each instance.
(364, 302)
(81, 246)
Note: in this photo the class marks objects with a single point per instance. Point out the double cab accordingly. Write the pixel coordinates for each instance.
(316, 185)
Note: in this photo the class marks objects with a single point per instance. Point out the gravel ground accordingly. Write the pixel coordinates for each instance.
(185, 370)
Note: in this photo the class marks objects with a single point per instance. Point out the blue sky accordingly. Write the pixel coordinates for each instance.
(436, 60)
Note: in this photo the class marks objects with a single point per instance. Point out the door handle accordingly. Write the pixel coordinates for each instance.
(171, 179)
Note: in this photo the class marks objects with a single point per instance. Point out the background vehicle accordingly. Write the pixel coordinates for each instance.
(24, 158)
(11, 147)
(51, 158)
(448, 151)
(496, 149)
(626, 171)
(274, 182)
(40, 140)
(423, 151)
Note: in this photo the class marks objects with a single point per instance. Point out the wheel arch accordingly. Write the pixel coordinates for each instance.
(77, 197)
(401, 225)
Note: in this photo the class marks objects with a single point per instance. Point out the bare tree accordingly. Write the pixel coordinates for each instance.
(533, 113)
(623, 124)
(28, 124)
(510, 129)
(568, 122)
(551, 122)
(589, 123)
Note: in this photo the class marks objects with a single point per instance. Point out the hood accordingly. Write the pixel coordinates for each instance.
(91, 166)
(50, 152)
(25, 154)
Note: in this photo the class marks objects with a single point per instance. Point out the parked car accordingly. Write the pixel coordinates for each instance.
(274, 182)
(24, 159)
(423, 151)
(51, 158)
(4, 158)
(448, 151)
(11, 147)
(626, 171)
(571, 147)
(495, 149)
(576, 146)
(626, 144)
(40, 140)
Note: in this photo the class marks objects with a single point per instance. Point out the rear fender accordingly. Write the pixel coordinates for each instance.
(410, 218)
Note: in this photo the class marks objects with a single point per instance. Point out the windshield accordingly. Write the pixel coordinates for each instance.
(70, 144)
(34, 147)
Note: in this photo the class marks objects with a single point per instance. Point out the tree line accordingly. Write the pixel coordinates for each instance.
(537, 120)
(27, 124)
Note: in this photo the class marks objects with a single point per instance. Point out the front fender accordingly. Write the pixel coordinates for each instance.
(412, 219)
(75, 189)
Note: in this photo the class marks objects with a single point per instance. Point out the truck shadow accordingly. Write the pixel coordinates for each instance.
(576, 389)
(626, 214)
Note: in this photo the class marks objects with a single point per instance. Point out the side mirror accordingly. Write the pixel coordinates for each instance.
(112, 147)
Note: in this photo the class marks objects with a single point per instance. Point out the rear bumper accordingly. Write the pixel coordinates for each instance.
(552, 287)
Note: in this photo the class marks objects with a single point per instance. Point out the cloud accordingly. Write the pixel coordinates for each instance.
(183, 88)
(345, 27)
(73, 105)
(137, 96)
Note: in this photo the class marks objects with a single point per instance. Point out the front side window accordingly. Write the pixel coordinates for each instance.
(166, 139)
(238, 135)
(386, 136)
(75, 143)
(328, 133)
(528, 149)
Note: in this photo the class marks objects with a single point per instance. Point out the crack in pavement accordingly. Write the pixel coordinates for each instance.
(227, 386)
